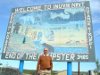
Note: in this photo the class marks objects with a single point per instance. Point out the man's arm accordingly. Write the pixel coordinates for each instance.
(51, 63)
(38, 67)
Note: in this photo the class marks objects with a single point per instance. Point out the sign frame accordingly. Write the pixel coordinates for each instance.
(90, 56)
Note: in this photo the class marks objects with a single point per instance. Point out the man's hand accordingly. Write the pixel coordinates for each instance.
(38, 71)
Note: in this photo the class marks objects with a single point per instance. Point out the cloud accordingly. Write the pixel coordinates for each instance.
(95, 6)
(59, 15)
(74, 10)
(96, 20)
(27, 19)
(17, 3)
(97, 33)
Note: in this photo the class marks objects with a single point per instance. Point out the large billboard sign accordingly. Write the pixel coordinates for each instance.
(65, 29)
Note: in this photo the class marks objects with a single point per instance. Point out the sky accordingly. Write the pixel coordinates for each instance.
(5, 11)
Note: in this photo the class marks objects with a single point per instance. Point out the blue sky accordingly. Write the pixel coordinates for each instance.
(5, 11)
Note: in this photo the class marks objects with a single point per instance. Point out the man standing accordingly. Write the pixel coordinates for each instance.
(44, 66)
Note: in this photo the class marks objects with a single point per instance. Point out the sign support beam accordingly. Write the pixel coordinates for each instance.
(69, 68)
(21, 65)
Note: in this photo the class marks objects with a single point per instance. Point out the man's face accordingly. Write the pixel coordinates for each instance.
(45, 51)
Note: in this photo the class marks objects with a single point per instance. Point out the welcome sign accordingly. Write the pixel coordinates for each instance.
(65, 29)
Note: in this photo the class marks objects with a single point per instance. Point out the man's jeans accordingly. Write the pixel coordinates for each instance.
(45, 72)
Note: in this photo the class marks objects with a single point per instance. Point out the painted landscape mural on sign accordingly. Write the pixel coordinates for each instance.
(61, 29)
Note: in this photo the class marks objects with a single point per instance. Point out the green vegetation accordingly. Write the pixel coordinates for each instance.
(29, 71)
